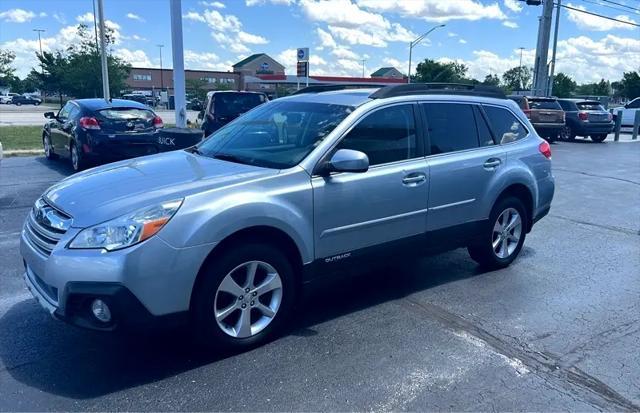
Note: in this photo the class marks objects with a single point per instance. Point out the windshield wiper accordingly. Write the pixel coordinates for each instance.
(194, 149)
(231, 158)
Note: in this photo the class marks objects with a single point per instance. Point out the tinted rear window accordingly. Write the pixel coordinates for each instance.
(544, 104)
(567, 106)
(589, 106)
(126, 114)
(236, 103)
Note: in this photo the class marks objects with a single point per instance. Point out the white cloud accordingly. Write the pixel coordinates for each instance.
(139, 38)
(437, 10)
(192, 15)
(205, 61)
(462, 41)
(17, 15)
(326, 40)
(134, 16)
(590, 22)
(137, 58)
(85, 18)
(42, 14)
(60, 18)
(510, 24)
(513, 5)
(214, 4)
(245, 37)
(261, 2)
(344, 53)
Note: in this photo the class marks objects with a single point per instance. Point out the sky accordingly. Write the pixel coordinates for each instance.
(484, 35)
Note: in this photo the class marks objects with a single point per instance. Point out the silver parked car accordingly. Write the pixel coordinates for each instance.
(226, 233)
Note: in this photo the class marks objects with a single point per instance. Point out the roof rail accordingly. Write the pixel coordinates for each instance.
(438, 89)
(330, 88)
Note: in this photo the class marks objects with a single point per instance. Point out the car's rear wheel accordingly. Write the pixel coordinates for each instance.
(598, 138)
(36, 103)
(503, 239)
(48, 148)
(244, 297)
(18, 104)
(77, 160)
(567, 133)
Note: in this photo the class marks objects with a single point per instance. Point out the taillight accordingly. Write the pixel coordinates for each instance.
(527, 113)
(157, 122)
(545, 149)
(583, 116)
(89, 123)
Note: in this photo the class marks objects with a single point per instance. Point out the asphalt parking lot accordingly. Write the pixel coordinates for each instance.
(558, 330)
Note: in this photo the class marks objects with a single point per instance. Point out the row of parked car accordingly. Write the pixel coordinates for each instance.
(566, 118)
(16, 99)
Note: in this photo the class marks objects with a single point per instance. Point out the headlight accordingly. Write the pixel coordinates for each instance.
(127, 230)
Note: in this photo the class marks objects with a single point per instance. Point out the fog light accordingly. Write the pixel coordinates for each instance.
(100, 310)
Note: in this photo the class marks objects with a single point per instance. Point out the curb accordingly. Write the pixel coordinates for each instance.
(22, 152)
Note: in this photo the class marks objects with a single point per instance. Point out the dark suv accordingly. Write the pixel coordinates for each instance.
(224, 106)
(94, 130)
(545, 114)
(586, 118)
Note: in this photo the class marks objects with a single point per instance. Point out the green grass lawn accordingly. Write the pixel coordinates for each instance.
(21, 137)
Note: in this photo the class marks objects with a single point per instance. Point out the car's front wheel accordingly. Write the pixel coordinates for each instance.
(48, 148)
(504, 237)
(18, 104)
(598, 138)
(244, 297)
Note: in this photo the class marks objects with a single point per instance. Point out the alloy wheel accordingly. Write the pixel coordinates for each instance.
(507, 231)
(248, 299)
(75, 158)
(47, 146)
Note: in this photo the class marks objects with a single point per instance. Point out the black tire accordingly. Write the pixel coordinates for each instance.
(483, 252)
(77, 159)
(567, 133)
(36, 104)
(209, 335)
(48, 153)
(18, 104)
(598, 138)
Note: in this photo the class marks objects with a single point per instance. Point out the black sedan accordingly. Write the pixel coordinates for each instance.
(20, 100)
(92, 131)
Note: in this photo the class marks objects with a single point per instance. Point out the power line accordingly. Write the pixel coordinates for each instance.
(600, 15)
(597, 3)
(621, 5)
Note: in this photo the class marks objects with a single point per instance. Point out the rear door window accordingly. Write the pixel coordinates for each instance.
(451, 127)
(567, 106)
(506, 127)
(544, 104)
(229, 103)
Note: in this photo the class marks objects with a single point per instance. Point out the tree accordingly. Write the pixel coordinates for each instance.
(432, 71)
(517, 78)
(563, 85)
(6, 69)
(197, 88)
(630, 85)
(53, 75)
(491, 80)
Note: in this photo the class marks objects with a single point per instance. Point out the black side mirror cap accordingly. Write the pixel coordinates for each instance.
(49, 115)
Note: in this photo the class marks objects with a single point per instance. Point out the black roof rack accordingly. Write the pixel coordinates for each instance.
(330, 88)
(438, 89)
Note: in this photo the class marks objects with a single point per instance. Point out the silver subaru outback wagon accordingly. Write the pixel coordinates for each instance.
(225, 234)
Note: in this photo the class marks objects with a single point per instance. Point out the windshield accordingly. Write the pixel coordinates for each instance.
(230, 103)
(589, 106)
(544, 104)
(277, 135)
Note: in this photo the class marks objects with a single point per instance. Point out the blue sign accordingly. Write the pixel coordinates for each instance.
(264, 66)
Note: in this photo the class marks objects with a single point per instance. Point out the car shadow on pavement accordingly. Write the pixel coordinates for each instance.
(62, 166)
(60, 359)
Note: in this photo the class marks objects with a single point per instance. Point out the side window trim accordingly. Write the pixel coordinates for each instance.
(420, 148)
(485, 119)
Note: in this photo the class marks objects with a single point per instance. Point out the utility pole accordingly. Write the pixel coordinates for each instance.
(540, 70)
(363, 61)
(40, 43)
(103, 53)
(415, 43)
(555, 46)
(178, 63)
(160, 46)
(520, 68)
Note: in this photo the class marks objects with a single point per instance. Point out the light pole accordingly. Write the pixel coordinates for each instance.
(103, 53)
(363, 61)
(415, 43)
(160, 46)
(520, 68)
(40, 43)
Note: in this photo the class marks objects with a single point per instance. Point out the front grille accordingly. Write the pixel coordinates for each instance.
(45, 226)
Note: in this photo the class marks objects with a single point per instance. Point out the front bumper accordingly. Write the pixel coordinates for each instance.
(151, 280)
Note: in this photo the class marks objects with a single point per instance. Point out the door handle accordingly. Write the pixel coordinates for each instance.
(414, 179)
(492, 163)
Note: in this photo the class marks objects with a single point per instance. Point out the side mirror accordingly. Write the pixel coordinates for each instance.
(348, 160)
(49, 115)
(626, 106)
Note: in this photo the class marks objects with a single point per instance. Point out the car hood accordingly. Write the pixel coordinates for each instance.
(112, 190)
